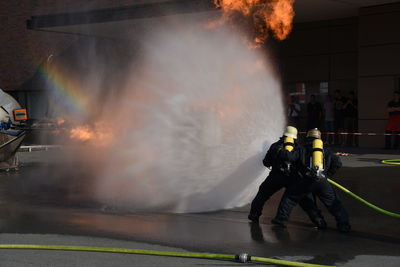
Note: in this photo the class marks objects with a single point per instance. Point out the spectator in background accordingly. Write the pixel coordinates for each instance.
(294, 112)
(339, 116)
(393, 124)
(350, 112)
(314, 113)
(329, 119)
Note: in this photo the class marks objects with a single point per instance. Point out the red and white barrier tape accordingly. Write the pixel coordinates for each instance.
(344, 133)
(342, 154)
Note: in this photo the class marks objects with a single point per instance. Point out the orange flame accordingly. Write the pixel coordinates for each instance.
(243, 6)
(266, 15)
(82, 133)
(60, 121)
(98, 135)
(281, 18)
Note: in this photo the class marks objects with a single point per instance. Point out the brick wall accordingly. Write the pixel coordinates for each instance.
(23, 50)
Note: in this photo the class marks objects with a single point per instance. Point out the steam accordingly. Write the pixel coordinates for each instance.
(189, 125)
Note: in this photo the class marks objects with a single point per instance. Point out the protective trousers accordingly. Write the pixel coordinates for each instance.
(322, 189)
(275, 181)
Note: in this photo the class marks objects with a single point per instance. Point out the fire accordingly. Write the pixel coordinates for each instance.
(99, 134)
(243, 6)
(82, 133)
(281, 17)
(60, 121)
(265, 16)
(56, 132)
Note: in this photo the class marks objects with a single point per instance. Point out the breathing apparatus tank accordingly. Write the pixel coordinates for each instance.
(317, 158)
(317, 154)
(288, 144)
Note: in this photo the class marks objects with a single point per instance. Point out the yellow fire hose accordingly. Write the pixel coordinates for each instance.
(391, 161)
(243, 257)
(395, 215)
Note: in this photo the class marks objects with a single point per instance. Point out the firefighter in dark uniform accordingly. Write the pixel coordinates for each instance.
(313, 165)
(281, 176)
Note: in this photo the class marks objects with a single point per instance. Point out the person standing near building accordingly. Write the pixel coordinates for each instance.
(329, 119)
(393, 124)
(294, 109)
(314, 113)
(281, 176)
(350, 109)
(312, 179)
(339, 116)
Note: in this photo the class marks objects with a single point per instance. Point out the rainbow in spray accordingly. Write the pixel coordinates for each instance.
(65, 91)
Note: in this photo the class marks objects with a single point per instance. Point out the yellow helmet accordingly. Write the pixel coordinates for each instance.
(314, 133)
(290, 132)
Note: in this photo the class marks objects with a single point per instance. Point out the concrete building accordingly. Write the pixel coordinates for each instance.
(349, 45)
(358, 53)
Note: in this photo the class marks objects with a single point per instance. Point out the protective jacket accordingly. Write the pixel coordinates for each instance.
(301, 157)
(271, 159)
(274, 160)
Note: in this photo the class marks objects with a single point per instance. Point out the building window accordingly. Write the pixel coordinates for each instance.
(303, 91)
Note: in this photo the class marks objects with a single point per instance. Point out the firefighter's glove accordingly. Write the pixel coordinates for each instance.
(319, 177)
(312, 174)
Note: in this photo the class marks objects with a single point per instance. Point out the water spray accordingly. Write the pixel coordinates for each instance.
(189, 125)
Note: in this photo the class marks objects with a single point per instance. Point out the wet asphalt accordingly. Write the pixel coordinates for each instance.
(39, 207)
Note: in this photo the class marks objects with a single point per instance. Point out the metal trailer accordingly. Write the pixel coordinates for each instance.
(10, 141)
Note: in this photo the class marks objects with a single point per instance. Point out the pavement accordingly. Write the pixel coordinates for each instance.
(36, 209)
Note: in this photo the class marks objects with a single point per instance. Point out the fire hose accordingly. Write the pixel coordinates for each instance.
(378, 209)
(391, 161)
(243, 257)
